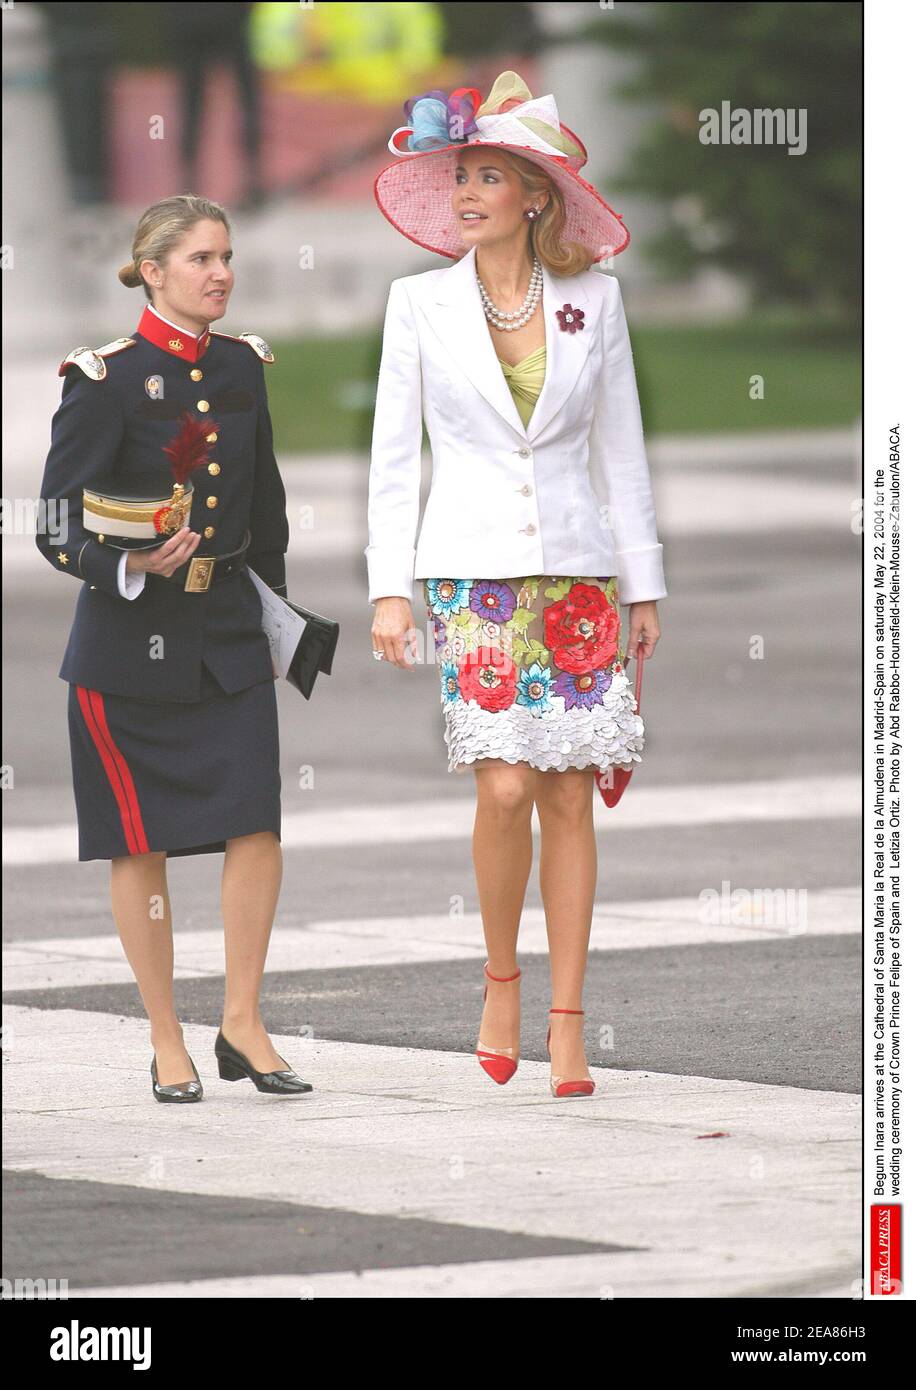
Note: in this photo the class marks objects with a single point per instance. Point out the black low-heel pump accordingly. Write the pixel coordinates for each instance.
(180, 1092)
(234, 1065)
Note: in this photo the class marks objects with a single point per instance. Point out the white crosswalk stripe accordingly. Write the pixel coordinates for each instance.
(627, 1274)
(410, 1133)
(414, 822)
(59, 962)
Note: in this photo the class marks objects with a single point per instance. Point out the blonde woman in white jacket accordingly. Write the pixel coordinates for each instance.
(540, 514)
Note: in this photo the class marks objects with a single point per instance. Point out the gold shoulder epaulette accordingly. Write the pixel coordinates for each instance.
(256, 344)
(91, 361)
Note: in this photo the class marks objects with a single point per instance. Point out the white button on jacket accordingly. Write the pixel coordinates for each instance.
(571, 494)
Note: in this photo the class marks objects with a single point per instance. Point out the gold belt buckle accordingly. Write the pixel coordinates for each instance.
(200, 573)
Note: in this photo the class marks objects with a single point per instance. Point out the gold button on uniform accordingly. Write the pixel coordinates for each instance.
(212, 438)
(209, 532)
(196, 374)
(203, 407)
(213, 468)
(212, 501)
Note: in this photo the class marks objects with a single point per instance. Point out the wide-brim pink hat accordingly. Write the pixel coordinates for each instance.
(415, 192)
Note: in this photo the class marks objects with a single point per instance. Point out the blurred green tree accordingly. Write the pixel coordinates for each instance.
(791, 224)
(473, 29)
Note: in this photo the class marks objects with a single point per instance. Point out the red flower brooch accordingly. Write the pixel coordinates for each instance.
(570, 319)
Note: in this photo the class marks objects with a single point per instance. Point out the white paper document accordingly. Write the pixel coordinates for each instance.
(283, 627)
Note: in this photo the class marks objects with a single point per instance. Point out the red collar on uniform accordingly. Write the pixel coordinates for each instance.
(170, 339)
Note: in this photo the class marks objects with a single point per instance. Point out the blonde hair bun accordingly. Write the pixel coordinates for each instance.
(160, 229)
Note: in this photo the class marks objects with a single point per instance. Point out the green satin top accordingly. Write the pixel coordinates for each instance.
(526, 380)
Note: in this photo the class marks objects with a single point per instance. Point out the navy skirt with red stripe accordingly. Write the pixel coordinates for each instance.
(150, 775)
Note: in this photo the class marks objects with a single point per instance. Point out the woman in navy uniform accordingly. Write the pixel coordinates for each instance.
(172, 705)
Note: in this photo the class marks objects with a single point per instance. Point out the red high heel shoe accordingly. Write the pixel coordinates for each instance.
(558, 1087)
(499, 1063)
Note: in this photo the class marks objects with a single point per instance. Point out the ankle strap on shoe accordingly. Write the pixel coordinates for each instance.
(566, 1011)
(502, 979)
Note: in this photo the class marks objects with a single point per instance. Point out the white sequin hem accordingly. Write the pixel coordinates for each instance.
(609, 734)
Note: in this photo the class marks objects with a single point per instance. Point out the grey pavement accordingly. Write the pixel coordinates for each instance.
(406, 1172)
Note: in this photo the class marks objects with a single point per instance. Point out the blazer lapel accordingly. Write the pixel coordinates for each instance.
(566, 352)
(455, 314)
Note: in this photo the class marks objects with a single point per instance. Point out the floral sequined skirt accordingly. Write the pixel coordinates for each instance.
(532, 672)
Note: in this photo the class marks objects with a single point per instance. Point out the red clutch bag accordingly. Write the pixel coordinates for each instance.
(610, 795)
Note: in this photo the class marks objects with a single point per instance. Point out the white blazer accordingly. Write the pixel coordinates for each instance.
(570, 495)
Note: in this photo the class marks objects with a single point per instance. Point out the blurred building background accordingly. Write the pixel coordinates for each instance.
(742, 280)
(282, 112)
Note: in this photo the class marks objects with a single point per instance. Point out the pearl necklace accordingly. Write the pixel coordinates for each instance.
(515, 318)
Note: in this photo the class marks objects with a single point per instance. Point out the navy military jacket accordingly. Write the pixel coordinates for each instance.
(117, 423)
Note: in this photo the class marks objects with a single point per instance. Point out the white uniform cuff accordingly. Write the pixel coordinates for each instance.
(129, 585)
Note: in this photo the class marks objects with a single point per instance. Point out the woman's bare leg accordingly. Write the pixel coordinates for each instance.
(568, 873)
(502, 850)
(143, 916)
(252, 873)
